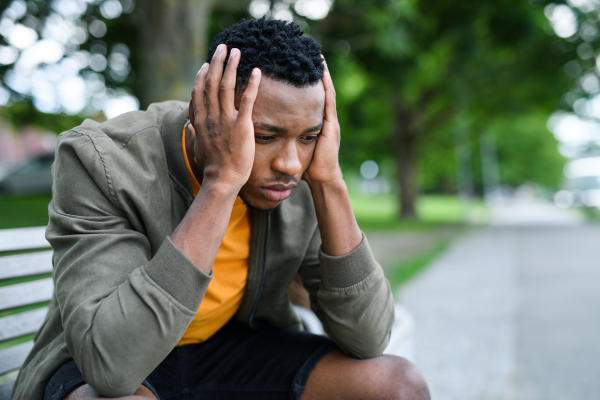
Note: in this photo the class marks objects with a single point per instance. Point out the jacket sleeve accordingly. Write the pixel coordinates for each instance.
(351, 297)
(123, 308)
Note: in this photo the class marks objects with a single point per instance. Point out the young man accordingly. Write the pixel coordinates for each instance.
(177, 231)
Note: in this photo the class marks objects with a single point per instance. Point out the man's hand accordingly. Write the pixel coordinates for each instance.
(224, 136)
(339, 232)
(324, 167)
(224, 148)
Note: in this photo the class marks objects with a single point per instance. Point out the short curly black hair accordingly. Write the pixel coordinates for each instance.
(277, 48)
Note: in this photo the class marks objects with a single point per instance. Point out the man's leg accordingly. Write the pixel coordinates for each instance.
(85, 392)
(67, 383)
(338, 376)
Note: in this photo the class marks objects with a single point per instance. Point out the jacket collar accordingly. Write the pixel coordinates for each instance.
(170, 131)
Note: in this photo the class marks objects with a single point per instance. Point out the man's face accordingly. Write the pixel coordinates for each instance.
(286, 121)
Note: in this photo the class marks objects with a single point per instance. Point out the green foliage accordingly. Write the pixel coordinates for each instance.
(23, 113)
(365, 116)
(492, 62)
(527, 151)
(438, 163)
(121, 30)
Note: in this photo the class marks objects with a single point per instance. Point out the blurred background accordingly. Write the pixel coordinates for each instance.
(471, 148)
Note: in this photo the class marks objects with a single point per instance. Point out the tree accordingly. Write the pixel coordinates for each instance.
(577, 27)
(408, 72)
(173, 43)
(432, 60)
(105, 49)
(66, 57)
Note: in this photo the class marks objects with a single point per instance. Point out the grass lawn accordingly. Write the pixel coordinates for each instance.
(403, 271)
(381, 212)
(372, 213)
(23, 211)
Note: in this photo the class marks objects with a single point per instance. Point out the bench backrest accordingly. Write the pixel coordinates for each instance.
(25, 291)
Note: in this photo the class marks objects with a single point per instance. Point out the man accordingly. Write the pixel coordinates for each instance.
(175, 240)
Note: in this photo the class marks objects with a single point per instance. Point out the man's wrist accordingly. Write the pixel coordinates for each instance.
(339, 232)
(200, 233)
(336, 186)
(219, 189)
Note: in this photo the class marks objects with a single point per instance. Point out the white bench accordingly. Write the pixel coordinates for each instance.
(26, 288)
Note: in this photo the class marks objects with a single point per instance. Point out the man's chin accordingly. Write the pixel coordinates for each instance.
(252, 206)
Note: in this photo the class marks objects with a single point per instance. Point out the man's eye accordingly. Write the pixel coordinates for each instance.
(309, 139)
(264, 139)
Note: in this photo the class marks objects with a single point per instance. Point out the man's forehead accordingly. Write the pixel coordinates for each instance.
(275, 94)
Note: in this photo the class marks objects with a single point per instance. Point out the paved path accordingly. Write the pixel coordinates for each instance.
(512, 311)
(558, 320)
(531, 212)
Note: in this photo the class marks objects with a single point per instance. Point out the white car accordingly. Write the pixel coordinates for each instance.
(33, 176)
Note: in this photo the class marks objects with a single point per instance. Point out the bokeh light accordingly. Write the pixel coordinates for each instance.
(53, 70)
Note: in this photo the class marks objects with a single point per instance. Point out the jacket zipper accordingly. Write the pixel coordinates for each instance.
(263, 274)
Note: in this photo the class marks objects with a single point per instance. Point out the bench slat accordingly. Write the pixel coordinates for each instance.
(13, 357)
(6, 389)
(25, 265)
(22, 294)
(22, 324)
(23, 239)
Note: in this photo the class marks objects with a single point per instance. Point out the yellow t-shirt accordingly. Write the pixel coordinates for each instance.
(225, 291)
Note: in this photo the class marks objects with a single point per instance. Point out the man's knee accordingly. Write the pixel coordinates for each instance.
(400, 379)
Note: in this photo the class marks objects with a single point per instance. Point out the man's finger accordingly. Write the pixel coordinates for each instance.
(213, 79)
(330, 106)
(326, 71)
(197, 111)
(227, 86)
(249, 95)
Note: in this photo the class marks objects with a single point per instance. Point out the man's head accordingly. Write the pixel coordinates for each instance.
(288, 112)
(277, 48)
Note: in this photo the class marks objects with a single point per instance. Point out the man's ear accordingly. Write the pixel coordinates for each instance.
(191, 113)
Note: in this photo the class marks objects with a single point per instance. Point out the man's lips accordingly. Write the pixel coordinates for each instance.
(277, 192)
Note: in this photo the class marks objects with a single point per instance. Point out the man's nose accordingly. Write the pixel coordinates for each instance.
(287, 160)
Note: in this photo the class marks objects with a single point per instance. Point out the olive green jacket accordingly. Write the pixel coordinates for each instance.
(124, 294)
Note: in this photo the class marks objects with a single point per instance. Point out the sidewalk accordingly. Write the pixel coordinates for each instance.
(511, 311)
(464, 308)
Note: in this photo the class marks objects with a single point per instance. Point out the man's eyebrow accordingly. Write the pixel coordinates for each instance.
(315, 128)
(280, 129)
(270, 128)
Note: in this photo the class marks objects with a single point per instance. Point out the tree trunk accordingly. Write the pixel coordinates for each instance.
(173, 36)
(406, 143)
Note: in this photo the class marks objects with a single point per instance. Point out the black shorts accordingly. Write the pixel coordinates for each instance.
(238, 362)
